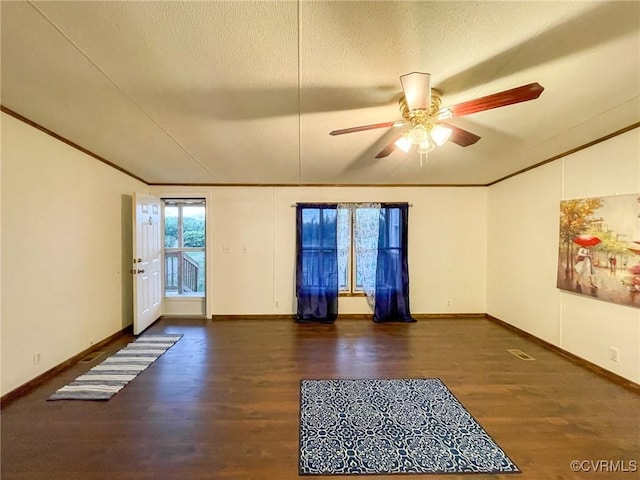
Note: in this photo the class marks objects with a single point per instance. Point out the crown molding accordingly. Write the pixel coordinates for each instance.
(66, 141)
(568, 152)
(37, 126)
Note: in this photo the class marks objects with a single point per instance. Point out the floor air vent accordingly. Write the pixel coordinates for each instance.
(91, 357)
(520, 354)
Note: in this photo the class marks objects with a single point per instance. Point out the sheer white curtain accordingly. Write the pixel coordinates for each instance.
(365, 218)
(366, 229)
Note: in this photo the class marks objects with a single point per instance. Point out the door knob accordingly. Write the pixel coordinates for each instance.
(140, 271)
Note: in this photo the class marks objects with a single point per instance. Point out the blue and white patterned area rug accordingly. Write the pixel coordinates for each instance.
(391, 426)
(109, 377)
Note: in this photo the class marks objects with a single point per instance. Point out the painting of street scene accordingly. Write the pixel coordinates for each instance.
(599, 248)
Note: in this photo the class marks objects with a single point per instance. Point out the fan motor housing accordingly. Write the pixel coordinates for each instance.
(421, 116)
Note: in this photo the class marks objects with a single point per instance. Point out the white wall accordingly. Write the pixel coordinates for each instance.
(447, 246)
(523, 226)
(66, 251)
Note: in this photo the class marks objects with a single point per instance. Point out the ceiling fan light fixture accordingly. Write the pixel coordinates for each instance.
(440, 134)
(403, 143)
(426, 146)
(426, 139)
(418, 135)
(417, 90)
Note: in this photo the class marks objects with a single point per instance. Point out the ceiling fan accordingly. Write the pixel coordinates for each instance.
(420, 109)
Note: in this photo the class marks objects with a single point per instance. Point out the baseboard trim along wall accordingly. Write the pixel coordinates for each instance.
(348, 316)
(568, 355)
(219, 317)
(22, 390)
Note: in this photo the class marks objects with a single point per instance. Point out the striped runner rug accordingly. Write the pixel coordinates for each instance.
(109, 377)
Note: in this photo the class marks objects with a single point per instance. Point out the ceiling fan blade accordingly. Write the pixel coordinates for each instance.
(417, 90)
(461, 137)
(501, 99)
(363, 128)
(388, 150)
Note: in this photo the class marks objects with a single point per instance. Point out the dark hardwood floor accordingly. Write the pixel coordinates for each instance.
(223, 402)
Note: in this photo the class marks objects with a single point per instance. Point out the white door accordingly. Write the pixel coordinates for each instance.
(147, 261)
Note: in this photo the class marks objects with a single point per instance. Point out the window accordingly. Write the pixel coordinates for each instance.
(357, 248)
(352, 249)
(184, 252)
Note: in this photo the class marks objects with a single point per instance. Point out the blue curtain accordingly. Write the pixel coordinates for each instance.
(392, 272)
(317, 263)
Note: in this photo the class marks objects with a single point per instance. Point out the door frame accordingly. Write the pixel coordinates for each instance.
(168, 192)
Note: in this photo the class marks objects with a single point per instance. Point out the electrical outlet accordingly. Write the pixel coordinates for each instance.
(226, 249)
(448, 302)
(614, 354)
(36, 358)
(276, 304)
(244, 249)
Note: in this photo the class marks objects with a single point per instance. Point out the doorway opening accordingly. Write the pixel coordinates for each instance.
(185, 273)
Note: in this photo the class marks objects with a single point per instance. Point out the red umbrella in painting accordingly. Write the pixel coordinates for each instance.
(587, 240)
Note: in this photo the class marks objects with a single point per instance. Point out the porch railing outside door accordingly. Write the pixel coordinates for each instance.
(181, 273)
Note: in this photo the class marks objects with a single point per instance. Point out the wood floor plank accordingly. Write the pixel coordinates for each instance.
(223, 402)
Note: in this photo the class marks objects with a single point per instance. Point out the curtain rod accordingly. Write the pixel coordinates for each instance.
(351, 203)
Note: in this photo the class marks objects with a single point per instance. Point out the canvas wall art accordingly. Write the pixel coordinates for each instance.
(599, 248)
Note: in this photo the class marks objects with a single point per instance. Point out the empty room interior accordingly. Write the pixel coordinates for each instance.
(440, 198)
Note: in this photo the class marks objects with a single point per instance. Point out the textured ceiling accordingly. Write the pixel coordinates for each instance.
(247, 92)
